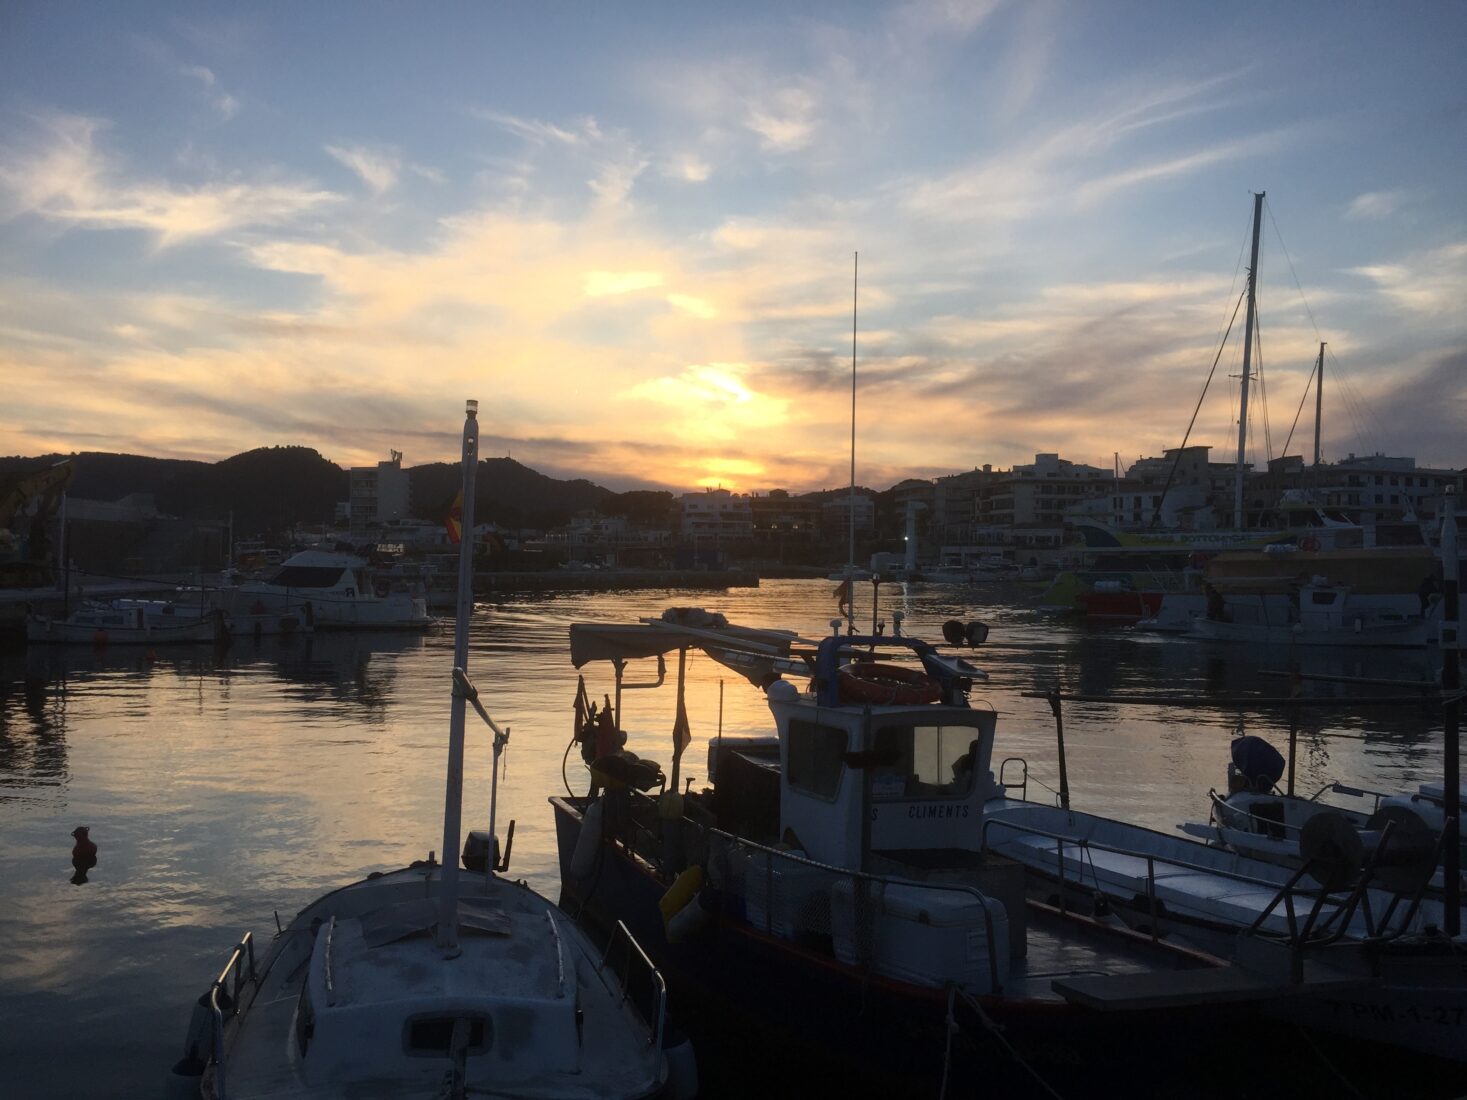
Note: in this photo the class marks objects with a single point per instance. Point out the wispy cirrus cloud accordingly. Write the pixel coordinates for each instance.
(377, 168)
(59, 174)
(1431, 282)
(1374, 205)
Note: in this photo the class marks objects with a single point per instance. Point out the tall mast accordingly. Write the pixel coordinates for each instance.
(1318, 399)
(1238, 518)
(851, 562)
(1451, 643)
(453, 798)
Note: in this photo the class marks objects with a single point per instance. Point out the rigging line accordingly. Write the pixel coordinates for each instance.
(1300, 410)
(1156, 514)
(1348, 381)
(1351, 400)
(1238, 264)
(1289, 259)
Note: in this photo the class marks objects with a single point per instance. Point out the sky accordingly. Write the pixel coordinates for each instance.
(629, 230)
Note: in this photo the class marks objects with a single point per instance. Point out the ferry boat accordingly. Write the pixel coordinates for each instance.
(431, 981)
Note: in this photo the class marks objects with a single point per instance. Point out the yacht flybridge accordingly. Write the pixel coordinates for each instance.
(863, 872)
(432, 981)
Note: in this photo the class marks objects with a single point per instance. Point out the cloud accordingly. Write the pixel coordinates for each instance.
(379, 170)
(1432, 283)
(688, 167)
(63, 177)
(785, 120)
(602, 283)
(1374, 205)
(538, 131)
(690, 304)
(712, 401)
(613, 183)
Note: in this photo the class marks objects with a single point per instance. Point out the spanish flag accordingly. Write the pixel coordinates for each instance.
(454, 522)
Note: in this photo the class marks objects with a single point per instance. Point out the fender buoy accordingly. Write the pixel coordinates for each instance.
(1309, 542)
(887, 685)
(99, 638)
(583, 858)
(382, 588)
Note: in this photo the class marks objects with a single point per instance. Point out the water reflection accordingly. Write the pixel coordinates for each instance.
(225, 786)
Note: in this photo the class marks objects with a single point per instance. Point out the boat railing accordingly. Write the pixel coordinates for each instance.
(1346, 899)
(224, 998)
(1023, 785)
(796, 898)
(1223, 809)
(641, 982)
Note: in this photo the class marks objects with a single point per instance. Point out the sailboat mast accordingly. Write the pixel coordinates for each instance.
(447, 936)
(1239, 520)
(1318, 399)
(851, 561)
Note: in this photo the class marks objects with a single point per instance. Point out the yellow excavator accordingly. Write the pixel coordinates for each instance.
(27, 558)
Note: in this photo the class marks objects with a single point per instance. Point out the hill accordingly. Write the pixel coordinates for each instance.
(505, 492)
(267, 489)
(271, 488)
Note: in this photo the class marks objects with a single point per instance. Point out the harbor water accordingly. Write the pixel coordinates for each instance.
(225, 788)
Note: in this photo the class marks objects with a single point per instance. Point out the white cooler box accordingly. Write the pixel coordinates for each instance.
(800, 899)
(924, 935)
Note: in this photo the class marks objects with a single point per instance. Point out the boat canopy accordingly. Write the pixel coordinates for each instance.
(655, 637)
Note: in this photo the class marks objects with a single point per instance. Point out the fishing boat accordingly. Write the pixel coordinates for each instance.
(1257, 818)
(862, 872)
(128, 622)
(334, 591)
(436, 981)
(1358, 902)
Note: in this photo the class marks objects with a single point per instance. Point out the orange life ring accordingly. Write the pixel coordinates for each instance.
(887, 685)
(1309, 543)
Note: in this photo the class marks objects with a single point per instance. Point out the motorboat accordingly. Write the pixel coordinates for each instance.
(334, 591)
(1314, 613)
(434, 980)
(128, 622)
(1258, 819)
(855, 873)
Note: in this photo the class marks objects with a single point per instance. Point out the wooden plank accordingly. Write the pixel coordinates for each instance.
(1188, 988)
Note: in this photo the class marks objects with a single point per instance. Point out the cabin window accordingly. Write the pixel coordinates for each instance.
(815, 753)
(432, 1036)
(924, 762)
(1322, 597)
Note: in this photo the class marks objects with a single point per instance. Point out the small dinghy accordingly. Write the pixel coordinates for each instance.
(433, 981)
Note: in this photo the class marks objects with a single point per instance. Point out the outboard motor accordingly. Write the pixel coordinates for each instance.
(1257, 765)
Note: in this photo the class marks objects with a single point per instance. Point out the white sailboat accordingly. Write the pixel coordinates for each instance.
(434, 982)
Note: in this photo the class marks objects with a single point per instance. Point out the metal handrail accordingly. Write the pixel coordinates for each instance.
(884, 881)
(1085, 842)
(1283, 890)
(659, 984)
(231, 974)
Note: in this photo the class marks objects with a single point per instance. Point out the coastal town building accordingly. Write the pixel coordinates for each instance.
(1039, 493)
(780, 512)
(715, 514)
(378, 494)
(835, 514)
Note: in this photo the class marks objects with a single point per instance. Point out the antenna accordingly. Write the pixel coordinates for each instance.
(851, 560)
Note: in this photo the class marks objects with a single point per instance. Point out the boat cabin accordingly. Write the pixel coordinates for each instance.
(379, 1005)
(885, 779)
(340, 574)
